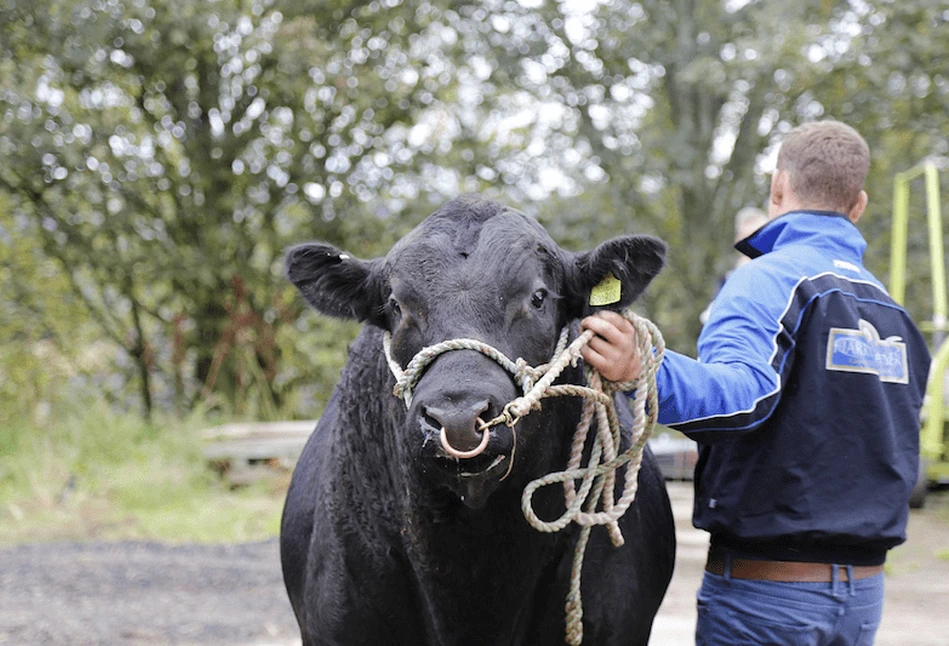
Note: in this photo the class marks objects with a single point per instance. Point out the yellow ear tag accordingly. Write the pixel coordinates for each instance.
(607, 292)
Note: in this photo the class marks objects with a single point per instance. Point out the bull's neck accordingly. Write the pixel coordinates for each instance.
(370, 459)
(478, 570)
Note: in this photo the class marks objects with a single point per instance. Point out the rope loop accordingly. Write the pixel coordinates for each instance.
(525, 375)
(595, 502)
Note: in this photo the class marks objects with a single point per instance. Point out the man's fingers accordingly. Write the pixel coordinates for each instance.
(612, 350)
(609, 325)
(602, 347)
(594, 358)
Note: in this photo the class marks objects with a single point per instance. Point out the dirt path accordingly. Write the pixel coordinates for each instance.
(149, 593)
(143, 593)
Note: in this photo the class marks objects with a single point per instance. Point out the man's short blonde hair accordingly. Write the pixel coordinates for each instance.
(827, 164)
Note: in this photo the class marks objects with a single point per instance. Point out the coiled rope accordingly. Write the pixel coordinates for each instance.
(598, 477)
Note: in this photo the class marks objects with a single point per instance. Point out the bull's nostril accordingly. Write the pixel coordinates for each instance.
(490, 412)
(430, 420)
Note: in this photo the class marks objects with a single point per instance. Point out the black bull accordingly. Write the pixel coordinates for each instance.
(388, 539)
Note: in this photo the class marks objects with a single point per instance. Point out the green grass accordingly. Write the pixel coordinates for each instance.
(95, 474)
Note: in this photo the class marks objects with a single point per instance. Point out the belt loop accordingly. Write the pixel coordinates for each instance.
(834, 575)
(852, 587)
(728, 566)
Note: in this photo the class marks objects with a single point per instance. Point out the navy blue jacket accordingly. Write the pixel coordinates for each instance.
(804, 401)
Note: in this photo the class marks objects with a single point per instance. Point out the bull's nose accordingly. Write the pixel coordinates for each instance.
(461, 423)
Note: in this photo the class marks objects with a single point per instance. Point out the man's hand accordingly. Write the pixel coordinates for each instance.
(613, 351)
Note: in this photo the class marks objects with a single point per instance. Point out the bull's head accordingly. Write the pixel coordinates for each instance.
(474, 270)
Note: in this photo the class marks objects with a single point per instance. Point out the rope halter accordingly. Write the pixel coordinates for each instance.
(531, 381)
(598, 477)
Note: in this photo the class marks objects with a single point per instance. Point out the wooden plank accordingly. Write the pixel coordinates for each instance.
(244, 452)
(255, 448)
(259, 429)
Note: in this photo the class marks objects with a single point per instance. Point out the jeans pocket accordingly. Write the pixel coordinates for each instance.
(746, 613)
(756, 629)
(721, 625)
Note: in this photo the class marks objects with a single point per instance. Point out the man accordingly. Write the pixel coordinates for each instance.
(747, 221)
(805, 405)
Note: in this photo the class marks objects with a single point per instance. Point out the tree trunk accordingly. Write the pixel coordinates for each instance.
(142, 355)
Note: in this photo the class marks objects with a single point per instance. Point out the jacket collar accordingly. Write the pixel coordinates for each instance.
(819, 228)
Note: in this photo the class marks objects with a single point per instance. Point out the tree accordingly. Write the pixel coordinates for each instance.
(182, 150)
(676, 106)
(164, 154)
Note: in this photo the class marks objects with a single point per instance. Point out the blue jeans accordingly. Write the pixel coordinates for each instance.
(744, 612)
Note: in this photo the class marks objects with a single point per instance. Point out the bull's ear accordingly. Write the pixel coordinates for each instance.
(612, 275)
(335, 283)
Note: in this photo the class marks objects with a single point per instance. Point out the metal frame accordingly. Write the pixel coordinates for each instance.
(934, 447)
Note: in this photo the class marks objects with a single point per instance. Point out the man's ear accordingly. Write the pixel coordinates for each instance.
(612, 275)
(778, 194)
(858, 208)
(335, 283)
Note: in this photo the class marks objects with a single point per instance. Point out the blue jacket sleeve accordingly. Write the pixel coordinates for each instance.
(735, 384)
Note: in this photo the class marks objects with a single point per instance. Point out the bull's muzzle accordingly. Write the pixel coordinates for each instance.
(463, 432)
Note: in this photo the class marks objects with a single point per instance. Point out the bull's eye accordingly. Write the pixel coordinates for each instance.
(395, 308)
(538, 298)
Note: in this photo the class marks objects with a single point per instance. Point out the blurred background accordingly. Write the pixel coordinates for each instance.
(158, 156)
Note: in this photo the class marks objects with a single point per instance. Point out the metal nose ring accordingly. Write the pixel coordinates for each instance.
(463, 455)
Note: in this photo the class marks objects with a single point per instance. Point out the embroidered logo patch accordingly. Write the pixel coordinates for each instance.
(862, 350)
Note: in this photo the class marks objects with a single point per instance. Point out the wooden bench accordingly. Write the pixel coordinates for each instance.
(245, 452)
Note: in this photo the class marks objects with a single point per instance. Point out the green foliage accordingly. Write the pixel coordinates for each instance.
(93, 473)
(157, 157)
(181, 152)
(45, 340)
(679, 104)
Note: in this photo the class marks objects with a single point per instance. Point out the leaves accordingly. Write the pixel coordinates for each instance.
(158, 154)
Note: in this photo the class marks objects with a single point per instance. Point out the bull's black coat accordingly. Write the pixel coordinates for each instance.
(385, 540)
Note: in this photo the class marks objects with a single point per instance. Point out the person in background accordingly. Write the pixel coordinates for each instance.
(805, 404)
(747, 221)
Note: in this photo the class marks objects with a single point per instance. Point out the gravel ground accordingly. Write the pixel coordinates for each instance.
(150, 593)
(144, 593)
